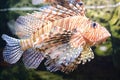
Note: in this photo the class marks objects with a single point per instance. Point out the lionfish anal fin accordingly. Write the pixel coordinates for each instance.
(32, 58)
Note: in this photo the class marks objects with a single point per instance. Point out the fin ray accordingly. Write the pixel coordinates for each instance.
(26, 25)
(12, 51)
(32, 58)
(67, 55)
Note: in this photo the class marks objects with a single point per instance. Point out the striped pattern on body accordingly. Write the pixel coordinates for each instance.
(80, 23)
(47, 19)
(68, 24)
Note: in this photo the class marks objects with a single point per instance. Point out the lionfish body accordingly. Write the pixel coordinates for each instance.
(61, 34)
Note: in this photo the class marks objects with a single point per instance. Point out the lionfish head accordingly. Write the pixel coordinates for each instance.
(94, 33)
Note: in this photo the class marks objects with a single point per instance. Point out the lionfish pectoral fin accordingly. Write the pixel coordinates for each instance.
(32, 58)
(12, 51)
(86, 55)
(67, 56)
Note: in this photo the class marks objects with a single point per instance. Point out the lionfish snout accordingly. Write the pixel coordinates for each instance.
(94, 33)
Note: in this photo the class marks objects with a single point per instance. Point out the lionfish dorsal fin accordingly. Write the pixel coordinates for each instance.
(76, 6)
(26, 25)
(60, 9)
(52, 13)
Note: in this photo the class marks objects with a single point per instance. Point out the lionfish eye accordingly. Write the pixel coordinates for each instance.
(94, 24)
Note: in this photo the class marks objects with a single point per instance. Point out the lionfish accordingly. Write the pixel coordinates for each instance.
(59, 33)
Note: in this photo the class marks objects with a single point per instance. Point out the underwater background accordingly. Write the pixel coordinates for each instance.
(105, 66)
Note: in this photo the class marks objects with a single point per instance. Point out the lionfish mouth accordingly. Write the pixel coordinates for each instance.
(97, 39)
(103, 40)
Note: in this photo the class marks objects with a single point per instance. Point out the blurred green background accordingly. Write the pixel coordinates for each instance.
(105, 66)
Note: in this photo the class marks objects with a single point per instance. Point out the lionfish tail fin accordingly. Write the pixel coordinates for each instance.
(12, 51)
